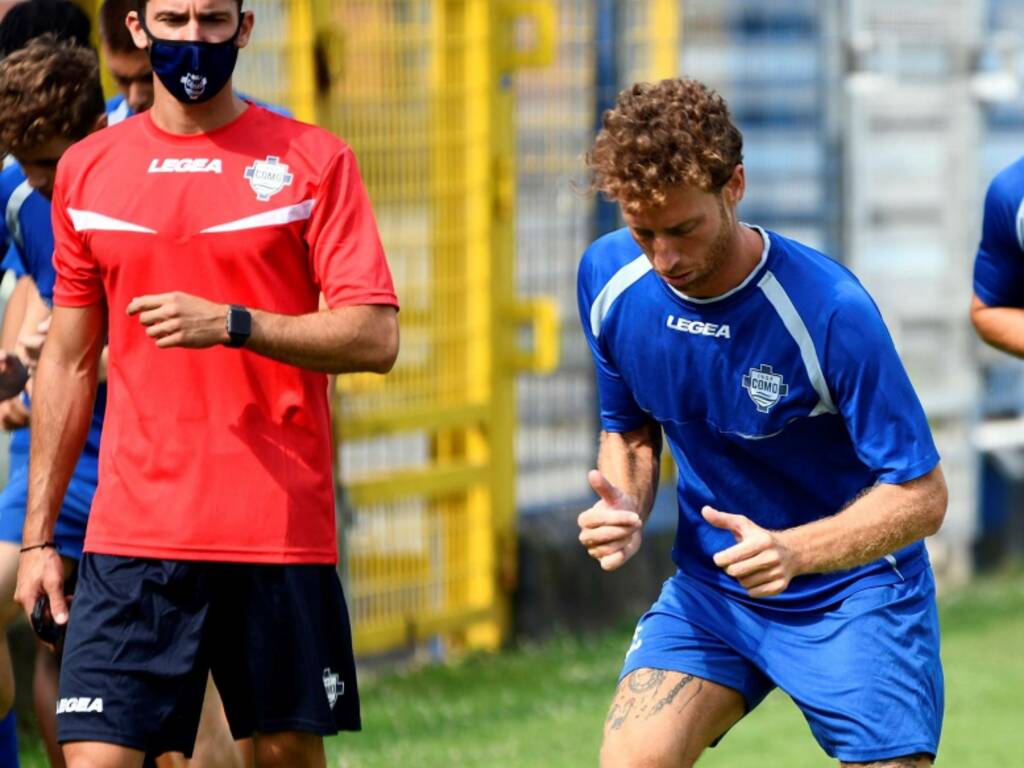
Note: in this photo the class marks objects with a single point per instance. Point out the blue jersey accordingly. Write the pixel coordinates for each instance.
(14, 193)
(118, 109)
(27, 222)
(999, 266)
(782, 399)
(21, 210)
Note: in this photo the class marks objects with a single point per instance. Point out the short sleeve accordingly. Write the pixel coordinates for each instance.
(348, 258)
(884, 418)
(999, 264)
(79, 283)
(619, 410)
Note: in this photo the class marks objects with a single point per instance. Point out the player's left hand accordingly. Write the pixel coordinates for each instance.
(179, 319)
(760, 560)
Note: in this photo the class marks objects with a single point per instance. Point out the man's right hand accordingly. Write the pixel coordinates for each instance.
(611, 530)
(41, 572)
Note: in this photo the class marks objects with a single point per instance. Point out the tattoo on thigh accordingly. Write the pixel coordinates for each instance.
(910, 761)
(618, 713)
(641, 696)
(644, 680)
(669, 697)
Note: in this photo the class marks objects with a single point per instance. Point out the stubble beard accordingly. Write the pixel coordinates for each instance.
(717, 253)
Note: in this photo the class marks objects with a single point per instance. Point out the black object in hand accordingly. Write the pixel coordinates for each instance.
(45, 627)
(13, 377)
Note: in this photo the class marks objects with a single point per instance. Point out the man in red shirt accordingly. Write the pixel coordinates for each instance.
(198, 237)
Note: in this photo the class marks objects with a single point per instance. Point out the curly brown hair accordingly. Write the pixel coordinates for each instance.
(48, 89)
(658, 136)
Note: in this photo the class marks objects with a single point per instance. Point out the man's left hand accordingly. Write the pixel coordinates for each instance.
(180, 320)
(760, 560)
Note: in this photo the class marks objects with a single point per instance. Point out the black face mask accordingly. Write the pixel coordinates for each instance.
(193, 71)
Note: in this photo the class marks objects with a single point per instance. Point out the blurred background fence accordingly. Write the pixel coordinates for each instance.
(871, 129)
(469, 119)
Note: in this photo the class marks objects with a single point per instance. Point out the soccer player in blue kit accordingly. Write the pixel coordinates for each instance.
(66, 104)
(997, 308)
(807, 473)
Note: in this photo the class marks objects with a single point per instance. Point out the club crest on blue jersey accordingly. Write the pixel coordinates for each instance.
(765, 387)
(194, 84)
(268, 177)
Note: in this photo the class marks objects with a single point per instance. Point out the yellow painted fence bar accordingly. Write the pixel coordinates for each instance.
(665, 36)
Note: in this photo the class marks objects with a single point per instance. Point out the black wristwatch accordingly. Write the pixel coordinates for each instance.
(239, 326)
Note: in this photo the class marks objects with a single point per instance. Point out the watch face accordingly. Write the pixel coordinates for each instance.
(239, 325)
(241, 322)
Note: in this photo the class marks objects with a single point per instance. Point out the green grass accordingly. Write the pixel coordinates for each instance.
(545, 705)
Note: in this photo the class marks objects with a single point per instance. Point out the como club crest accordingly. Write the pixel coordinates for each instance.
(765, 387)
(334, 686)
(268, 177)
(194, 84)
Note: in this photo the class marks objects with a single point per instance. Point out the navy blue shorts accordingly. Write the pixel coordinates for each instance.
(144, 633)
(865, 672)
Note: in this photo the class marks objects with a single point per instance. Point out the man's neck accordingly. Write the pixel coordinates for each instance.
(173, 116)
(743, 257)
(749, 249)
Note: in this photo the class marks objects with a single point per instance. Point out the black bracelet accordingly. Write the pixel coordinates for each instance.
(44, 545)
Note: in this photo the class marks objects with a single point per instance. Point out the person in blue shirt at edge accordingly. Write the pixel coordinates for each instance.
(21, 213)
(25, 190)
(807, 473)
(130, 66)
(997, 307)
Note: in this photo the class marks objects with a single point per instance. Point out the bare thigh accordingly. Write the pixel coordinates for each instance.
(9, 610)
(289, 749)
(910, 761)
(98, 754)
(662, 719)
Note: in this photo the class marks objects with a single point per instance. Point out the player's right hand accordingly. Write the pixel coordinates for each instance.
(611, 530)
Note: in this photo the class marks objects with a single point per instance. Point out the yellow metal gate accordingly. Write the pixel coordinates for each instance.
(418, 89)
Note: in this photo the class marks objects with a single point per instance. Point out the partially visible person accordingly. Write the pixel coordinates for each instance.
(21, 211)
(31, 18)
(50, 97)
(6, 5)
(128, 65)
(808, 477)
(997, 307)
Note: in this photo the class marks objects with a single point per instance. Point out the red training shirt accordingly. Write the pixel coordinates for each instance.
(215, 454)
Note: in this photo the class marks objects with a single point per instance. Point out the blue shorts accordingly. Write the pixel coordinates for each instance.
(865, 672)
(69, 532)
(143, 634)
